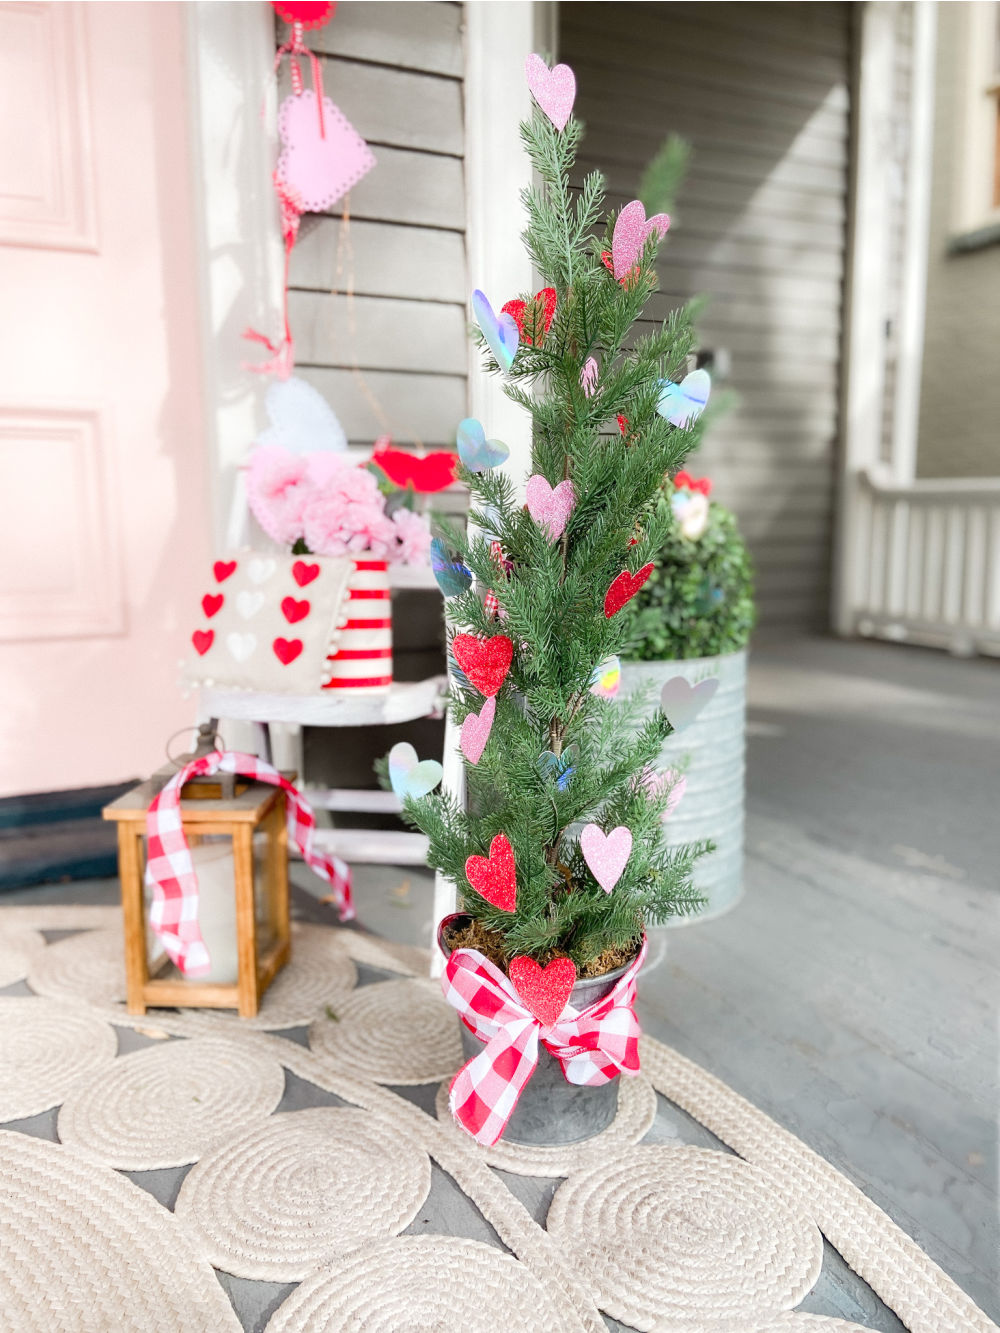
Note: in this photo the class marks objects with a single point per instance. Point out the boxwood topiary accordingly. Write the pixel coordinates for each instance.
(698, 601)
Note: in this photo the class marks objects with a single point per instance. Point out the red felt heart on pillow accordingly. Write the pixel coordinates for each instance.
(294, 611)
(537, 316)
(211, 603)
(222, 570)
(287, 650)
(433, 472)
(485, 661)
(203, 640)
(544, 990)
(624, 588)
(303, 573)
(493, 877)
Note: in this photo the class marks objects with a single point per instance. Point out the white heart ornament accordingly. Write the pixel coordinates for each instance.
(249, 603)
(241, 645)
(682, 702)
(410, 777)
(549, 506)
(260, 569)
(606, 854)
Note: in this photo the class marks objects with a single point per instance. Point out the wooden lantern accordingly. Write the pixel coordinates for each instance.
(262, 945)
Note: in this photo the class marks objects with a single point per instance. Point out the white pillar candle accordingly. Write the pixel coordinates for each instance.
(215, 869)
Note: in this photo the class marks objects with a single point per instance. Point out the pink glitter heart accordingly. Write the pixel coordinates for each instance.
(476, 731)
(550, 508)
(606, 853)
(553, 89)
(632, 230)
(588, 376)
(319, 168)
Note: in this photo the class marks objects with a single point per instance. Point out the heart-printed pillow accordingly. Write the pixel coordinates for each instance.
(210, 603)
(477, 452)
(681, 702)
(410, 777)
(500, 331)
(319, 166)
(494, 877)
(544, 990)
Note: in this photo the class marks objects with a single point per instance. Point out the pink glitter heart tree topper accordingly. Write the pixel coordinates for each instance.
(553, 89)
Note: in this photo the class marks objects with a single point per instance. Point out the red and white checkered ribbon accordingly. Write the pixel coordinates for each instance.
(490, 603)
(170, 873)
(593, 1045)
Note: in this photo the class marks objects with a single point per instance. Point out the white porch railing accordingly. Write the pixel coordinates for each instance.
(926, 565)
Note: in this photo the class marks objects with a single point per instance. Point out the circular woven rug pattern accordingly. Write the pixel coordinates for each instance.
(636, 1113)
(398, 1032)
(45, 1047)
(781, 1323)
(421, 1283)
(167, 1105)
(664, 1233)
(18, 945)
(89, 967)
(299, 1189)
(86, 1251)
(321, 973)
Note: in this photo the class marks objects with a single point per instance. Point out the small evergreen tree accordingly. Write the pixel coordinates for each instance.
(558, 755)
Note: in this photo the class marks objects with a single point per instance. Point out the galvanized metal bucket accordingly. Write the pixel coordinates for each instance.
(711, 753)
(550, 1110)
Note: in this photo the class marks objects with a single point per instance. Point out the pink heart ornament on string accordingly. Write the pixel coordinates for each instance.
(606, 854)
(319, 168)
(632, 231)
(549, 506)
(553, 89)
(476, 731)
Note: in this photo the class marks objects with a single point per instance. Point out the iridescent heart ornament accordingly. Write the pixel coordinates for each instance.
(682, 404)
(553, 89)
(550, 506)
(681, 701)
(559, 768)
(494, 877)
(544, 990)
(476, 730)
(477, 452)
(632, 230)
(607, 678)
(410, 777)
(606, 854)
(451, 576)
(624, 588)
(500, 331)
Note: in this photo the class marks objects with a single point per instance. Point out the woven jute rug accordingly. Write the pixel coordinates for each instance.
(307, 1149)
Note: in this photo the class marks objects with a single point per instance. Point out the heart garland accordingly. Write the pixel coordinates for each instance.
(632, 231)
(476, 730)
(484, 661)
(533, 319)
(409, 777)
(553, 89)
(550, 506)
(494, 877)
(624, 588)
(478, 453)
(681, 702)
(426, 474)
(606, 854)
(500, 331)
(682, 404)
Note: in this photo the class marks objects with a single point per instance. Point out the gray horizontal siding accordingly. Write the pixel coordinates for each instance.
(761, 92)
(378, 285)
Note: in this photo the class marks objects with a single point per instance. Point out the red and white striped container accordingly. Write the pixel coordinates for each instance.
(360, 658)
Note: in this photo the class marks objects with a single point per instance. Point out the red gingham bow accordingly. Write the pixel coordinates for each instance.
(170, 874)
(592, 1044)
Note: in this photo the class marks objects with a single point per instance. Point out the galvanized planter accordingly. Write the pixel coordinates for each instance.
(550, 1110)
(711, 753)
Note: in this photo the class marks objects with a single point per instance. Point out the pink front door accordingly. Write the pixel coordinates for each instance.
(104, 528)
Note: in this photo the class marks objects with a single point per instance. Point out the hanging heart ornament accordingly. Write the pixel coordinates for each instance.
(606, 854)
(451, 576)
(544, 990)
(476, 730)
(410, 777)
(494, 877)
(632, 230)
(682, 702)
(533, 318)
(624, 588)
(682, 404)
(550, 506)
(500, 331)
(553, 89)
(484, 661)
(477, 452)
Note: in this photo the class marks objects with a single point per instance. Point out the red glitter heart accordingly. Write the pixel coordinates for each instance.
(303, 573)
(632, 276)
(544, 990)
(222, 570)
(287, 650)
(493, 877)
(211, 603)
(203, 640)
(294, 611)
(538, 317)
(485, 661)
(624, 588)
(623, 423)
